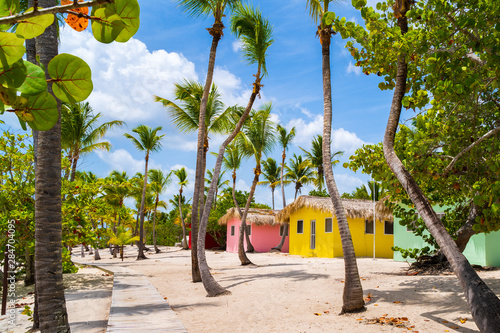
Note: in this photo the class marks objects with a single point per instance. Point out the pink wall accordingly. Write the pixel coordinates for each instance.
(263, 237)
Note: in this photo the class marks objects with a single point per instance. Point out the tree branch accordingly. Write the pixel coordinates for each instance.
(475, 143)
(51, 10)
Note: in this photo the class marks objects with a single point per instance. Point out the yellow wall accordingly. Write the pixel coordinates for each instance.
(328, 245)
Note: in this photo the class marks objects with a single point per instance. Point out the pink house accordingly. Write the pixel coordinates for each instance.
(265, 232)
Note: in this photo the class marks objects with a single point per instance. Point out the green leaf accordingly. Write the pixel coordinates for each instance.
(43, 108)
(107, 25)
(128, 11)
(430, 61)
(8, 8)
(358, 4)
(13, 76)
(34, 26)
(11, 49)
(7, 96)
(35, 82)
(72, 78)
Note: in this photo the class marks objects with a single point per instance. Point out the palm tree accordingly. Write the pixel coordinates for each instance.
(284, 139)
(122, 237)
(148, 142)
(80, 133)
(232, 161)
(159, 183)
(271, 172)
(482, 301)
(117, 191)
(220, 183)
(49, 286)
(216, 8)
(353, 291)
(183, 181)
(315, 157)
(257, 138)
(255, 32)
(299, 172)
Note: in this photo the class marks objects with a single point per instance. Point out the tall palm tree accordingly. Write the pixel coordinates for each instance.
(284, 139)
(299, 172)
(255, 33)
(353, 291)
(183, 181)
(271, 172)
(218, 9)
(148, 141)
(257, 138)
(49, 286)
(116, 192)
(220, 183)
(482, 301)
(159, 183)
(80, 132)
(232, 161)
(315, 157)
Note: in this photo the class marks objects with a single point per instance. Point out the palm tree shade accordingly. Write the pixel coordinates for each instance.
(80, 132)
(353, 291)
(257, 30)
(147, 141)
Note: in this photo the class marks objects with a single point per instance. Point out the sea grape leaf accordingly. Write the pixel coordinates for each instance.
(74, 21)
(34, 26)
(7, 96)
(11, 49)
(72, 78)
(8, 8)
(129, 12)
(35, 82)
(13, 76)
(107, 25)
(43, 108)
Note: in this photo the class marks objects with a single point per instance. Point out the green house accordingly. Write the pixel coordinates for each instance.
(482, 249)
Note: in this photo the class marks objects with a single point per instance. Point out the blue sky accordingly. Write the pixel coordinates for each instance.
(170, 46)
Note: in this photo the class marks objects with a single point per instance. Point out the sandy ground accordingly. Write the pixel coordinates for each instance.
(282, 293)
(88, 298)
(285, 293)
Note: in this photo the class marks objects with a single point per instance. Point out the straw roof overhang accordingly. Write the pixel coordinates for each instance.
(354, 208)
(255, 216)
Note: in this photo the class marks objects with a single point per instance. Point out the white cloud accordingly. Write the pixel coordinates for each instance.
(127, 75)
(237, 45)
(346, 141)
(346, 183)
(179, 142)
(121, 160)
(353, 69)
(305, 131)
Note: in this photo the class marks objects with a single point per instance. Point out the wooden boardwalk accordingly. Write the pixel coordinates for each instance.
(136, 305)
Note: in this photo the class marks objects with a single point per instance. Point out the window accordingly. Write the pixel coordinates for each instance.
(368, 227)
(328, 224)
(388, 228)
(232, 230)
(249, 230)
(313, 234)
(282, 227)
(300, 226)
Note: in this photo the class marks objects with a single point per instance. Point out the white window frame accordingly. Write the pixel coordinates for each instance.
(385, 227)
(312, 243)
(331, 225)
(232, 230)
(300, 222)
(373, 227)
(249, 229)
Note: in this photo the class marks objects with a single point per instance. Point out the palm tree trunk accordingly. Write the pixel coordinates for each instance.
(154, 225)
(353, 291)
(140, 254)
(285, 225)
(48, 227)
(211, 286)
(243, 229)
(216, 32)
(185, 245)
(483, 303)
(73, 168)
(234, 196)
(272, 195)
(97, 256)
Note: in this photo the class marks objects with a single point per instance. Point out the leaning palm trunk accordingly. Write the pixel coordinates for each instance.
(211, 286)
(483, 303)
(48, 227)
(216, 32)
(140, 254)
(353, 291)
(73, 168)
(243, 228)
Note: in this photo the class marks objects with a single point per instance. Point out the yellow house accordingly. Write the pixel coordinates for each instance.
(314, 231)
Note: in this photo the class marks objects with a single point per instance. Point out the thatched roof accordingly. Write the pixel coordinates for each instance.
(355, 208)
(255, 216)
